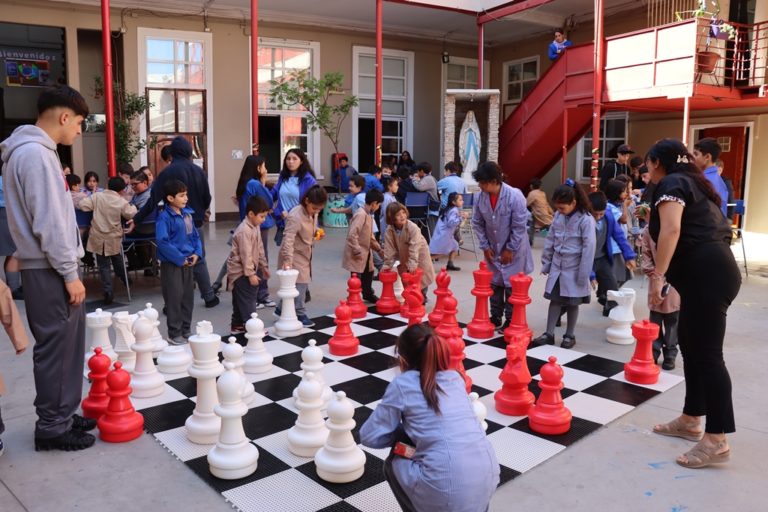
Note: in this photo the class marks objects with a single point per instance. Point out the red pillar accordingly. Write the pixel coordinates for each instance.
(564, 165)
(109, 104)
(597, 100)
(379, 77)
(480, 52)
(686, 118)
(255, 77)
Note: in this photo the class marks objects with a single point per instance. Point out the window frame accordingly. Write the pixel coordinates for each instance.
(583, 155)
(506, 102)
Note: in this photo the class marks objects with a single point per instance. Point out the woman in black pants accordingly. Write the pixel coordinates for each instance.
(693, 254)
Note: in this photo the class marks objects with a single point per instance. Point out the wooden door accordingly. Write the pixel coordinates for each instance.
(732, 139)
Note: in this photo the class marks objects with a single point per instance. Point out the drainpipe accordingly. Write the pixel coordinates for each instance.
(379, 78)
(109, 104)
(597, 93)
(255, 77)
(480, 51)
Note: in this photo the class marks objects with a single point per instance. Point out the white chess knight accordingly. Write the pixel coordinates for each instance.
(98, 324)
(312, 357)
(122, 323)
(157, 338)
(309, 433)
(233, 353)
(622, 316)
(340, 460)
(146, 381)
(288, 324)
(257, 358)
(480, 410)
(233, 456)
(398, 286)
(203, 426)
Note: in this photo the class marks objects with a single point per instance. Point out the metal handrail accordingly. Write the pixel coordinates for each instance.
(740, 62)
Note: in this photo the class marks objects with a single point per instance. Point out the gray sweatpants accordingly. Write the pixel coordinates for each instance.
(202, 277)
(59, 331)
(179, 295)
(299, 301)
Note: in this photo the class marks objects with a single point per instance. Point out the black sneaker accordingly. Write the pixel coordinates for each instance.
(373, 299)
(544, 339)
(109, 298)
(451, 267)
(305, 321)
(18, 293)
(71, 440)
(568, 341)
(83, 424)
(2, 447)
(212, 303)
(496, 321)
(669, 363)
(216, 287)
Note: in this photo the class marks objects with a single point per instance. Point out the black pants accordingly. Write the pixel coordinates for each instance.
(245, 299)
(200, 271)
(708, 280)
(106, 263)
(178, 293)
(402, 498)
(500, 305)
(59, 331)
(666, 343)
(603, 268)
(366, 279)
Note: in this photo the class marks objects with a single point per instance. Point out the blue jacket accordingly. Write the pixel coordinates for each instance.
(720, 187)
(256, 188)
(305, 184)
(615, 235)
(340, 177)
(182, 169)
(553, 46)
(372, 182)
(176, 236)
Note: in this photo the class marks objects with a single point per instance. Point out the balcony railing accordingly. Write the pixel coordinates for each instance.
(736, 60)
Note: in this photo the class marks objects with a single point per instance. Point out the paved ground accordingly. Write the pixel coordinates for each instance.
(620, 467)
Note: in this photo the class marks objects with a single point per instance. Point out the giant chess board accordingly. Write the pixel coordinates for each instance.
(595, 392)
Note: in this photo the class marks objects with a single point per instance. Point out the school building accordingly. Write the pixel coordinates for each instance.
(661, 78)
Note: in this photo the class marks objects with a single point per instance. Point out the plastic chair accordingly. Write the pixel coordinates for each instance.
(738, 209)
(83, 219)
(418, 209)
(134, 239)
(466, 226)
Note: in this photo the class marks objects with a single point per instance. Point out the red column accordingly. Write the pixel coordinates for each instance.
(480, 51)
(379, 77)
(255, 77)
(564, 165)
(597, 100)
(109, 104)
(686, 118)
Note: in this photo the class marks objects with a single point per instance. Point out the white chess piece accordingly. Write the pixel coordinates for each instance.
(288, 324)
(98, 324)
(481, 411)
(233, 353)
(340, 460)
(157, 338)
(174, 360)
(146, 381)
(309, 433)
(257, 358)
(622, 316)
(233, 456)
(398, 286)
(203, 426)
(122, 323)
(312, 357)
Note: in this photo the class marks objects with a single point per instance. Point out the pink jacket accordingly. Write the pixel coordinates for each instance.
(671, 302)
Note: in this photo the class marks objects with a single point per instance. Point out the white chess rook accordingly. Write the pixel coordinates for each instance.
(98, 324)
(157, 339)
(288, 324)
(309, 433)
(622, 316)
(174, 360)
(340, 460)
(257, 358)
(312, 357)
(233, 353)
(233, 456)
(480, 410)
(203, 426)
(146, 380)
(122, 323)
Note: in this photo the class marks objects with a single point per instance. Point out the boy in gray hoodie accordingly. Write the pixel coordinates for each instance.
(42, 223)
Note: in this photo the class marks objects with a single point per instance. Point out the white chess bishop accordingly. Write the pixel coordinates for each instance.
(340, 460)
(233, 353)
(146, 381)
(309, 433)
(233, 456)
(157, 339)
(288, 324)
(203, 426)
(257, 357)
(312, 357)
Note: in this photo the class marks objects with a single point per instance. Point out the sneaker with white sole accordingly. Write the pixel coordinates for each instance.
(269, 303)
(305, 321)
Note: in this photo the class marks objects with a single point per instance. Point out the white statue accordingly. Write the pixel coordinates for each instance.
(469, 144)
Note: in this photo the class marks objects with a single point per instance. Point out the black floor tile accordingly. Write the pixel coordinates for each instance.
(322, 322)
(373, 474)
(492, 427)
(341, 506)
(360, 417)
(267, 420)
(292, 362)
(363, 390)
(382, 323)
(469, 364)
(268, 465)
(302, 340)
(372, 362)
(597, 365)
(534, 388)
(277, 388)
(167, 416)
(497, 342)
(579, 429)
(621, 392)
(377, 340)
(507, 474)
(187, 386)
(480, 391)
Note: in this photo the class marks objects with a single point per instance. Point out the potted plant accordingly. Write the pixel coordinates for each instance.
(706, 60)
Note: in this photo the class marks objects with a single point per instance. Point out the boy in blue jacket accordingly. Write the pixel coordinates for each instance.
(179, 249)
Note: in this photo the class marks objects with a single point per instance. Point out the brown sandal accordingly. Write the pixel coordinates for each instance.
(678, 428)
(702, 455)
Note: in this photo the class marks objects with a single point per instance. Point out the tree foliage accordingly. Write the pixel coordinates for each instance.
(129, 107)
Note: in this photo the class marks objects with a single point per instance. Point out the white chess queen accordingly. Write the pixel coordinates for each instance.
(470, 144)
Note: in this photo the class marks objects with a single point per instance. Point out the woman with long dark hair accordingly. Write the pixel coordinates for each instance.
(295, 179)
(453, 466)
(693, 254)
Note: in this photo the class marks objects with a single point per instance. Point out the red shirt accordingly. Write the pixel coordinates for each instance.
(494, 199)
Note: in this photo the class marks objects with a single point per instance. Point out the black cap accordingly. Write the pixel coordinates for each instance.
(625, 149)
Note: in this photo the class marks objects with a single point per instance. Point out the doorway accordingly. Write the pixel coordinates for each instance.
(732, 140)
(269, 142)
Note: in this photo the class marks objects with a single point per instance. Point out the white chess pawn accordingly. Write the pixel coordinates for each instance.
(233, 353)
(157, 338)
(257, 358)
(622, 317)
(233, 456)
(98, 324)
(203, 426)
(309, 433)
(480, 410)
(288, 324)
(312, 357)
(122, 323)
(174, 360)
(146, 381)
(340, 460)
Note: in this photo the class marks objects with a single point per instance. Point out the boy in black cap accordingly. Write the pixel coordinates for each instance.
(618, 166)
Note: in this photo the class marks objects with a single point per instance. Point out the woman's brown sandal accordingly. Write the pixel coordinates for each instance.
(702, 455)
(678, 428)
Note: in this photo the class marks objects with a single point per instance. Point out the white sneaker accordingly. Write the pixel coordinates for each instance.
(259, 306)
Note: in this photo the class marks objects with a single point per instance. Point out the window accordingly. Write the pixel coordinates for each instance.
(461, 76)
(175, 63)
(725, 144)
(176, 111)
(614, 133)
(396, 104)
(276, 62)
(520, 76)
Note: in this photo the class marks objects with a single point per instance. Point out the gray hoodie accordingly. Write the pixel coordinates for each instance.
(40, 214)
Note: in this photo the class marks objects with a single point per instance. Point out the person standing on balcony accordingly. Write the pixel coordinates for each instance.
(618, 166)
(705, 154)
(558, 45)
